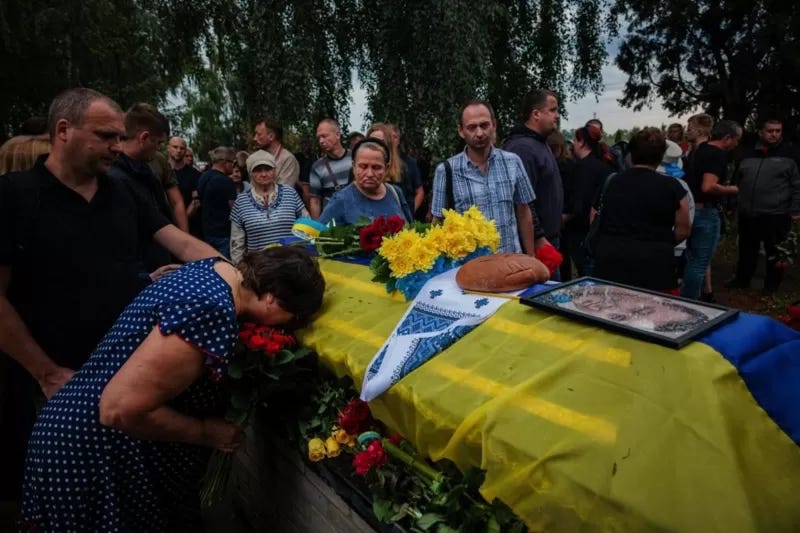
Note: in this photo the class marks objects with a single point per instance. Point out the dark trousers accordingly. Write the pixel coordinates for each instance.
(574, 253)
(753, 230)
(16, 422)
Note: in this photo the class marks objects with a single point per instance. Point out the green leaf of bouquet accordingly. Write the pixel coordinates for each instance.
(421, 227)
(492, 525)
(503, 513)
(444, 528)
(400, 513)
(428, 520)
(301, 352)
(283, 357)
(382, 509)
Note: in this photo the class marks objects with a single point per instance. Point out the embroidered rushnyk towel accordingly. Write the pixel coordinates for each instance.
(439, 316)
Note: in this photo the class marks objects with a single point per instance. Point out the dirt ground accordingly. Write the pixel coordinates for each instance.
(751, 300)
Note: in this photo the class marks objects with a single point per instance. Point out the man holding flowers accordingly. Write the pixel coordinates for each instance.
(484, 176)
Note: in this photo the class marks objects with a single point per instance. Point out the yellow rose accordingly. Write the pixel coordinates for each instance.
(332, 447)
(341, 436)
(316, 450)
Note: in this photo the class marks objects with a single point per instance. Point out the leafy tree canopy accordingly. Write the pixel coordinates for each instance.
(132, 50)
(735, 59)
(233, 61)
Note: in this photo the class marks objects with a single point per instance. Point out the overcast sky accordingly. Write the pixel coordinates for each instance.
(605, 105)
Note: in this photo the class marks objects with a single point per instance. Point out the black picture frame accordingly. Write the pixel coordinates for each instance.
(700, 318)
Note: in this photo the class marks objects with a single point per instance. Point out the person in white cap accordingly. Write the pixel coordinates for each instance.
(671, 165)
(266, 213)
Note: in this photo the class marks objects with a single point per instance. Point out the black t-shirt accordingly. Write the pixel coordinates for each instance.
(585, 180)
(75, 265)
(636, 238)
(217, 192)
(411, 180)
(146, 183)
(705, 159)
(187, 182)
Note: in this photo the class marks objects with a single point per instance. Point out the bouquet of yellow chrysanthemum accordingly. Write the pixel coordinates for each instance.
(408, 259)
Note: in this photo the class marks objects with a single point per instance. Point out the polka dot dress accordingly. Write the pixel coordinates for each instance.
(82, 476)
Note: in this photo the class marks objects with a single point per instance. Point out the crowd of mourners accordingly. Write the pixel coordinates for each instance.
(123, 346)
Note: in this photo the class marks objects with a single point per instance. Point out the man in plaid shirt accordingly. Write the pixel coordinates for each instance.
(490, 178)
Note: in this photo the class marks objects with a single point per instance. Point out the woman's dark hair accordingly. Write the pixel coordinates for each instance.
(241, 162)
(647, 147)
(558, 145)
(592, 136)
(290, 274)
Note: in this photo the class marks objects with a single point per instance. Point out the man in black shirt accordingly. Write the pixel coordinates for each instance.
(70, 257)
(706, 169)
(145, 131)
(187, 182)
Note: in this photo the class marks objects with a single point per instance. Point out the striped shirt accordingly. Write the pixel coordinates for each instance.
(329, 175)
(505, 185)
(263, 225)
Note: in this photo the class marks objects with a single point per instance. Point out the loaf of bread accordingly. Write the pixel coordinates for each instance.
(501, 273)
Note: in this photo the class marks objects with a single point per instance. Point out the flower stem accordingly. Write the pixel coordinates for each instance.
(420, 466)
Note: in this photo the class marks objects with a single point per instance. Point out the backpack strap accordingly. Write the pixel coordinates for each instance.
(392, 188)
(448, 185)
(603, 192)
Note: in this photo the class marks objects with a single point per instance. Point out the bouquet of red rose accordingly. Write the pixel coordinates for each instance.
(357, 239)
(265, 362)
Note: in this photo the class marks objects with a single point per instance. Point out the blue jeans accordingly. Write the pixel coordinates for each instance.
(221, 244)
(699, 250)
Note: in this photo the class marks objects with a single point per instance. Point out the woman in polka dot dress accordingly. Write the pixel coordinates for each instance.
(123, 446)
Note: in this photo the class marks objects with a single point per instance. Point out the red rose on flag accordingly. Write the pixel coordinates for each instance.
(257, 342)
(396, 439)
(370, 237)
(355, 418)
(373, 457)
(551, 257)
(394, 224)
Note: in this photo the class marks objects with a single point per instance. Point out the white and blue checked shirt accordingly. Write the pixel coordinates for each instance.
(505, 185)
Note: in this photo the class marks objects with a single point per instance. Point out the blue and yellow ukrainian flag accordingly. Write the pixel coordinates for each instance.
(580, 429)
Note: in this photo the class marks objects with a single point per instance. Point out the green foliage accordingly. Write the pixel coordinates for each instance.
(209, 116)
(229, 62)
(788, 251)
(132, 50)
(421, 60)
(289, 60)
(323, 407)
(736, 60)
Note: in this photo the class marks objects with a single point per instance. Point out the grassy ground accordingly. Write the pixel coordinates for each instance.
(751, 300)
